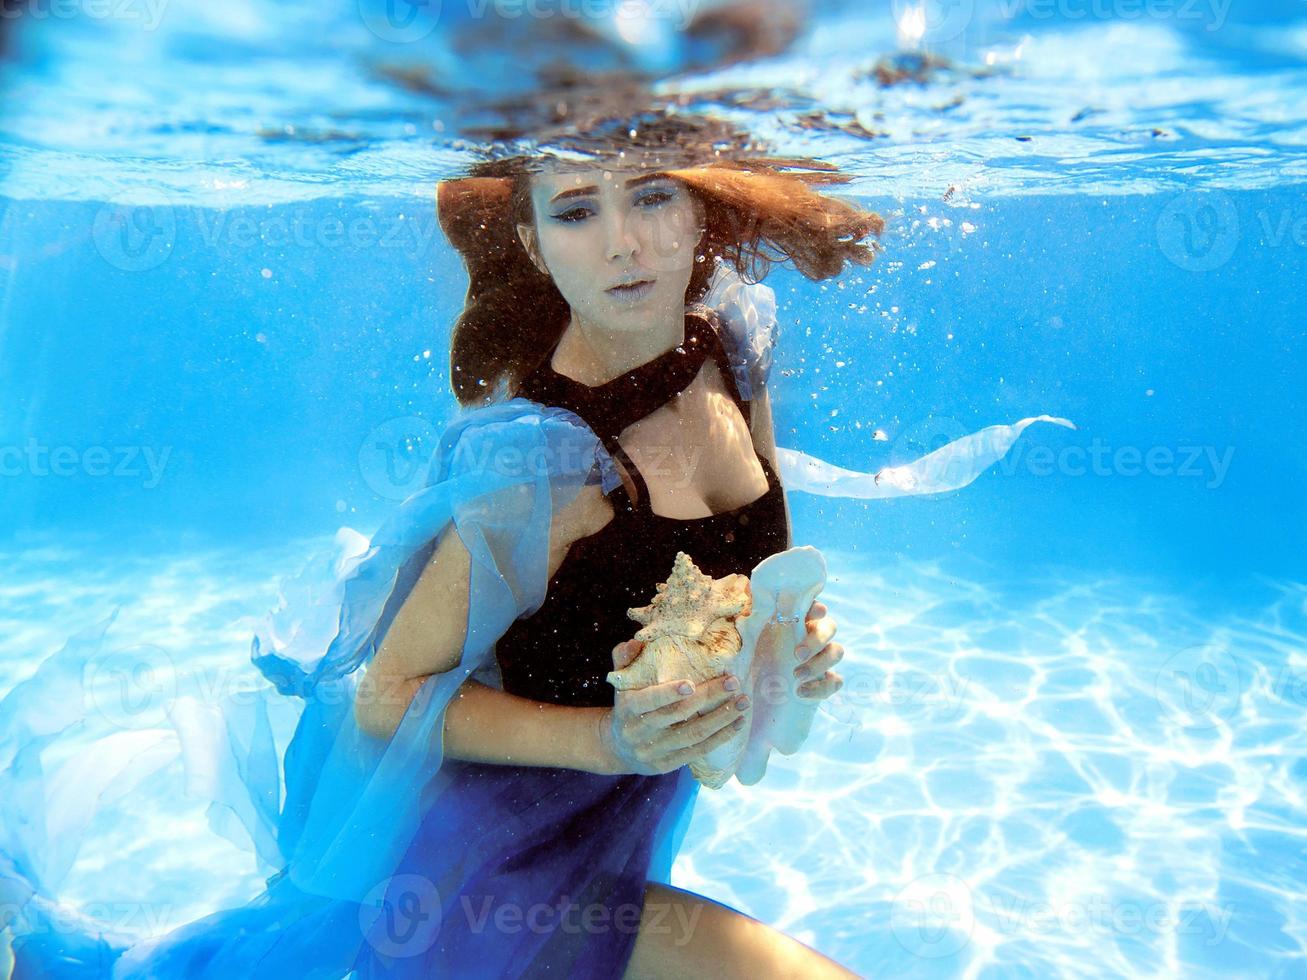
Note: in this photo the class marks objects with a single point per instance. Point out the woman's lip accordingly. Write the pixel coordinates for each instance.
(631, 293)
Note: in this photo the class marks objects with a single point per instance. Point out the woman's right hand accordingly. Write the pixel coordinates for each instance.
(657, 729)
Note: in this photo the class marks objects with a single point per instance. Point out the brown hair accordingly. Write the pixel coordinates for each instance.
(755, 214)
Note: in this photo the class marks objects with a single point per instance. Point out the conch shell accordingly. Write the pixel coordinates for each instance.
(698, 627)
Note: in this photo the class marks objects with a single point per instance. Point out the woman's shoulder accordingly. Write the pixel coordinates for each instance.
(518, 438)
(745, 314)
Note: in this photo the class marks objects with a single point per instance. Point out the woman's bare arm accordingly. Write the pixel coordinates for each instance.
(761, 427)
(482, 724)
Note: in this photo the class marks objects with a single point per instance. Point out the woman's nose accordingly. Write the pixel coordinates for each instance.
(619, 237)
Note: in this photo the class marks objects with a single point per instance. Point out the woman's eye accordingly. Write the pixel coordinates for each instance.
(573, 214)
(656, 197)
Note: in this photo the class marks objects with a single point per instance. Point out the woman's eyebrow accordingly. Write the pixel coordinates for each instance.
(582, 191)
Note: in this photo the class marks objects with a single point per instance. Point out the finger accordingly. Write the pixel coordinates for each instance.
(822, 687)
(645, 700)
(820, 633)
(707, 696)
(688, 734)
(716, 740)
(820, 662)
(816, 611)
(624, 653)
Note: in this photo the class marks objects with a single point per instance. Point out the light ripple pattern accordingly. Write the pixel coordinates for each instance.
(1046, 778)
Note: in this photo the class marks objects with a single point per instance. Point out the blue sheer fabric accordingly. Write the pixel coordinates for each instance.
(341, 843)
(383, 858)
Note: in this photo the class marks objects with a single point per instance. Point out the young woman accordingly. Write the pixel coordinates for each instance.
(586, 284)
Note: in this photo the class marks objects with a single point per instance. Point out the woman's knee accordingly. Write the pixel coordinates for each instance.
(682, 933)
(677, 935)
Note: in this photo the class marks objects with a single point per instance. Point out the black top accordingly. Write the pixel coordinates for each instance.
(562, 653)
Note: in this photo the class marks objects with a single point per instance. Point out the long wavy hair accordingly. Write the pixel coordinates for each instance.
(756, 213)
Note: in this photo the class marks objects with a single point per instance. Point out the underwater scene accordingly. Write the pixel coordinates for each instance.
(1069, 729)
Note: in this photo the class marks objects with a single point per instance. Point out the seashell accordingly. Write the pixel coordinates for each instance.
(698, 627)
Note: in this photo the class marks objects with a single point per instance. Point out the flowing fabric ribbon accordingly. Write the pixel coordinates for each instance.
(949, 467)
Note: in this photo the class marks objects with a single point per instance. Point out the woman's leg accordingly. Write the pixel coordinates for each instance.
(686, 935)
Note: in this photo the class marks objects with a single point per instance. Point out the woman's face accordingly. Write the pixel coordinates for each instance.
(598, 229)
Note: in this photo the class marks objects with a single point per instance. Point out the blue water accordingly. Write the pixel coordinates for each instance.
(1071, 738)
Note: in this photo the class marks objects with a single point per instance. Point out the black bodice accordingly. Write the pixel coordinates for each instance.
(562, 653)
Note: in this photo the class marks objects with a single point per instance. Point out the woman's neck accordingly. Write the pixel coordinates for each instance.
(594, 355)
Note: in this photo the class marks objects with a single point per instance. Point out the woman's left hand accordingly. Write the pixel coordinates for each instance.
(817, 655)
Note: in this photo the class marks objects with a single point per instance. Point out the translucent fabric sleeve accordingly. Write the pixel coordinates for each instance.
(496, 479)
(352, 801)
(747, 314)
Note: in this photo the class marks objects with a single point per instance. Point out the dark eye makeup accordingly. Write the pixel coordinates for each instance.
(650, 198)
